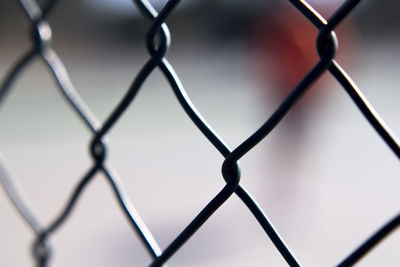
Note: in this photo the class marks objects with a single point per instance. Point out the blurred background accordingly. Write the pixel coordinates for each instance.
(323, 176)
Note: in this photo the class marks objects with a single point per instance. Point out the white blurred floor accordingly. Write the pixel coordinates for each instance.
(346, 183)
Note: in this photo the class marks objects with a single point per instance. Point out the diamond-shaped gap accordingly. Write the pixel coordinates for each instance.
(38, 144)
(170, 169)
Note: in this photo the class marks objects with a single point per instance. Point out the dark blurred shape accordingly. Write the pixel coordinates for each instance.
(282, 45)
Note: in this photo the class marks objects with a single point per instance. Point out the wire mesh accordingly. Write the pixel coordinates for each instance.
(157, 44)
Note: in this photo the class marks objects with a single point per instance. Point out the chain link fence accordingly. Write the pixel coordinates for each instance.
(157, 43)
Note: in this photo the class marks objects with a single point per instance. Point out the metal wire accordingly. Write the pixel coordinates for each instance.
(157, 43)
